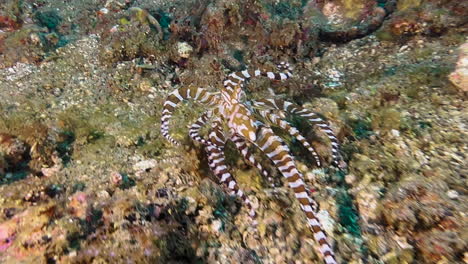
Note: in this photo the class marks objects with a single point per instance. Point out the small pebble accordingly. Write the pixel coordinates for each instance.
(452, 194)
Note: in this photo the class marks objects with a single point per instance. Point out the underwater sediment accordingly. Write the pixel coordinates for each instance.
(86, 176)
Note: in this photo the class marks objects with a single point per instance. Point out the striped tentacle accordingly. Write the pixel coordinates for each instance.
(199, 95)
(216, 161)
(275, 119)
(238, 78)
(194, 131)
(312, 117)
(278, 152)
(242, 146)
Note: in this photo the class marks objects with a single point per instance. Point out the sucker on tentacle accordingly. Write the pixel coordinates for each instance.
(229, 109)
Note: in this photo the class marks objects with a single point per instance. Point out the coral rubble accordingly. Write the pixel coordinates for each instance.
(86, 176)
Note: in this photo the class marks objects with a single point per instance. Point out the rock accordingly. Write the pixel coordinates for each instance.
(216, 225)
(145, 85)
(26, 235)
(459, 77)
(367, 202)
(452, 194)
(78, 205)
(12, 149)
(184, 50)
(145, 165)
(437, 245)
(116, 178)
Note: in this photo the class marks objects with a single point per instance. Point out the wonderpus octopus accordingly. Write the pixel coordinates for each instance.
(246, 123)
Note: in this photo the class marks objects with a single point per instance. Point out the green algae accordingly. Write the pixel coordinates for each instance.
(65, 146)
(10, 177)
(340, 98)
(53, 190)
(384, 35)
(238, 55)
(362, 128)
(286, 9)
(407, 4)
(176, 248)
(127, 182)
(416, 127)
(50, 19)
(78, 187)
(150, 148)
(164, 19)
(353, 8)
(85, 228)
(220, 210)
(386, 119)
(348, 216)
(98, 131)
(429, 73)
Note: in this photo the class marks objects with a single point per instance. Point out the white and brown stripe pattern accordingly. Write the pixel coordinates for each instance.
(194, 131)
(199, 95)
(238, 78)
(228, 110)
(243, 147)
(312, 117)
(215, 150)
(216, 161)
(276, 120)
(278, 152)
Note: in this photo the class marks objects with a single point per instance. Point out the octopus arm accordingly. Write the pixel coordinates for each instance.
(242, 146)
(312, 117)
(275, 119)
(198, 95)
(194, 130)
(278, 152)
(238, 78)
(216, 161)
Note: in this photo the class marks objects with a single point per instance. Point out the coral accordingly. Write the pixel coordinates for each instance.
(26, 235)
(49, 19)
(184, 50)
(290, 10)
(142, 16)
(343, 21)
(13, 151)
(79, 205)
(8, 24)
(83, 84)
(137, 34)
(414, 17)
(22, 46)
(414, 206)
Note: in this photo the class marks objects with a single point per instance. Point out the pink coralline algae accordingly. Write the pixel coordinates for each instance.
(78, 205)
(460, 76)
(7, 234)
